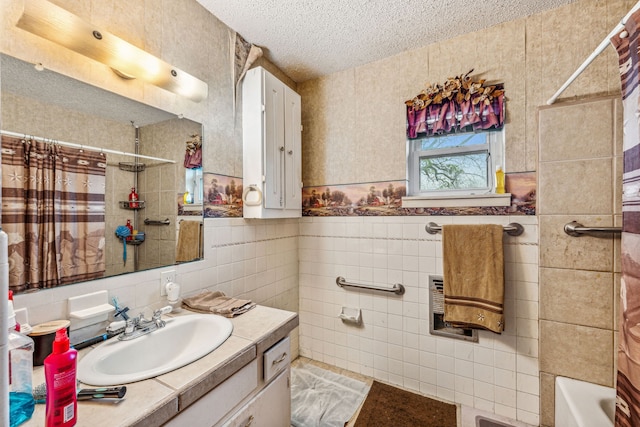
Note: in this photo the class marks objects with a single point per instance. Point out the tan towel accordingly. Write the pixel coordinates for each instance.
(188, 241)
(217, 303)
(473, 276)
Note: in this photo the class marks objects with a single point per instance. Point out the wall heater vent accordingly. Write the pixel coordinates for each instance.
(437, 325)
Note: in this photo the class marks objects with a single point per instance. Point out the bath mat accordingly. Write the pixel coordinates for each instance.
(390, 406)
(320, 398)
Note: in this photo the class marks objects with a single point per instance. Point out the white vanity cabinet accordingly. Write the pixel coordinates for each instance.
(257, 395)
(272, 161)
(269, 408)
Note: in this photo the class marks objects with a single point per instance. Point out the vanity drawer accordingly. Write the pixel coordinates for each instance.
(277, 358)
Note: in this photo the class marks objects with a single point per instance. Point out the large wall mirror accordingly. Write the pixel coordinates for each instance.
(167, 216)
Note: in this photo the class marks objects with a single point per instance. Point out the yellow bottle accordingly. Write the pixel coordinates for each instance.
(499, 180)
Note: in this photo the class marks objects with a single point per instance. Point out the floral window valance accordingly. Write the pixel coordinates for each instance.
(458, 105)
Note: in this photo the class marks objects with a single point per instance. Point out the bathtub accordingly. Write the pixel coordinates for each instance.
(583, 404)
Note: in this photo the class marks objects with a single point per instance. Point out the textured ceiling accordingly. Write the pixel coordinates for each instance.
(311, 38)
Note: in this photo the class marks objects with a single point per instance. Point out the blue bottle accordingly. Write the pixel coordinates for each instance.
(21, 403)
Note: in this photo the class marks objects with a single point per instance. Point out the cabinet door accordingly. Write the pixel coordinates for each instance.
(293, 145)
(274, 145)
(269, 408)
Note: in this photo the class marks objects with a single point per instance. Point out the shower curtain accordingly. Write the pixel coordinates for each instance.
(53, 207)
(628, 377)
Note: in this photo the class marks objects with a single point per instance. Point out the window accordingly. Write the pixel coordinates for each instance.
(455, 163)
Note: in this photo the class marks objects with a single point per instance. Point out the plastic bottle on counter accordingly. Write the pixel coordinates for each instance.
(21, 403)
(499, 180)
(14, 321)
(60, 376)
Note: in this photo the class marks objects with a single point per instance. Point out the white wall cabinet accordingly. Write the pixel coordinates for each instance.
(272, 161)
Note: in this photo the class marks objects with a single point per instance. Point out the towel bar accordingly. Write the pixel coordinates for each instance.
(576, 229)
(148, 221)
(513, 229)
(397, 288)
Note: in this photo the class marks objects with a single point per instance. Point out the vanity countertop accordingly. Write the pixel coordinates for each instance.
(154, 401)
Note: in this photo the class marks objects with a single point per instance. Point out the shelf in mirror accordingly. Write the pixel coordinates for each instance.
(138, 204)
(131, 166)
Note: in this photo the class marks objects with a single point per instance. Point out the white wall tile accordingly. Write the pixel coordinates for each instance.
(445, 364)
(464, 368)
(399, 333)
(528, 384)
(465, 385)
(505, 378)
(527, 402)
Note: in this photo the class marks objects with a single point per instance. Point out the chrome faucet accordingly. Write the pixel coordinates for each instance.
(139, 326)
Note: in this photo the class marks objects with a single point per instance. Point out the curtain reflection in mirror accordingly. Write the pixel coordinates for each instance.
(53, 209)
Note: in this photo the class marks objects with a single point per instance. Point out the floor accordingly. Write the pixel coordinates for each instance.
(340, 371)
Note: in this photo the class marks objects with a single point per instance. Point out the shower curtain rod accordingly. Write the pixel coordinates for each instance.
(84, 147)
(601, 47)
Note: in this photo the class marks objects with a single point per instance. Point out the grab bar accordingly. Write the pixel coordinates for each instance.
(575, 229)
(513, 229)
(397, 288)
(148, 221)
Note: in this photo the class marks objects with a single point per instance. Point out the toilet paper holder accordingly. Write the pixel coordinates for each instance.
(351, 315)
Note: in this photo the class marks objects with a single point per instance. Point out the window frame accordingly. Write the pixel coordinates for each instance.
(493, 146)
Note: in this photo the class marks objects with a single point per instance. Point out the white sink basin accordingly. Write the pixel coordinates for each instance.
(183, 340)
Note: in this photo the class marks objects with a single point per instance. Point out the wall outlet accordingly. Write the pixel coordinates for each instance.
(166, 277)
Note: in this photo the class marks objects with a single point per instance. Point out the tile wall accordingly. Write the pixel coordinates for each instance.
(257, 260)
(499, 374)
(580, 177)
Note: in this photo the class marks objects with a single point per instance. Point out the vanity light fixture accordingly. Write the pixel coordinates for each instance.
(60, 26)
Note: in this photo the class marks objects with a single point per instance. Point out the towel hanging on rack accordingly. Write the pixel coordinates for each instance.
(473, 276)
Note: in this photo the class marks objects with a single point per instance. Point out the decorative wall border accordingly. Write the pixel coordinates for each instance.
(222, 196)
(223, 199)
(384, 198)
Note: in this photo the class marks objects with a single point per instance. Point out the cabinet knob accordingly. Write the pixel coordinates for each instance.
(281, 148)
(290, 151)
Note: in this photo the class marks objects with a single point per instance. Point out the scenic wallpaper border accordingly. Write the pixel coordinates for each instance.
(223, 199)
(222, 196)
(385, 199)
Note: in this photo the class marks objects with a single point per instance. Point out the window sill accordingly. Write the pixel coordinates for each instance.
(192, 207)
(476, 200)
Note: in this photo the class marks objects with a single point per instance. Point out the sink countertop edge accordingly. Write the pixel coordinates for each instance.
(244, 327)
(267, 341)
(158, 415)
